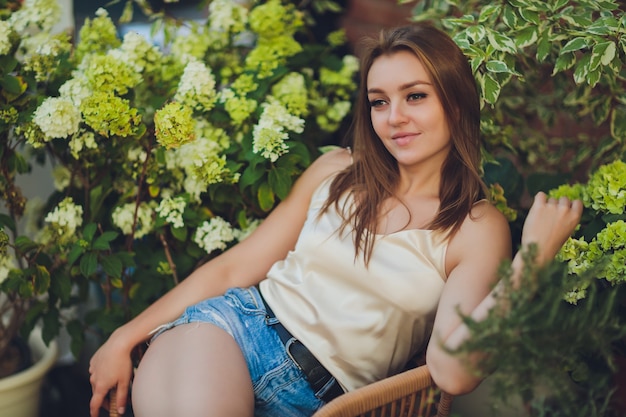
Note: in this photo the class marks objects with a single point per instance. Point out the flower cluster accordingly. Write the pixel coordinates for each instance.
(163, 153)
(604, 252)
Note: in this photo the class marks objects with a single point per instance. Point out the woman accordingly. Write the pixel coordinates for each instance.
(372, 252)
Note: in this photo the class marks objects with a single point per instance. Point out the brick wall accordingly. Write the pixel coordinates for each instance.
(367, 17)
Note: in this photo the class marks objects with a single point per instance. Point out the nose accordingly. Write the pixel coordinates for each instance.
(397, 114)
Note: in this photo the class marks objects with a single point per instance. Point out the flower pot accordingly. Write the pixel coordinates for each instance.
(20, 393)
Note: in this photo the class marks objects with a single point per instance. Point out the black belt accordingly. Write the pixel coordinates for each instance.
(313, 370)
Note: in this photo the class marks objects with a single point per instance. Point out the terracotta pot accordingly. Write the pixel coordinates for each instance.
(20, 393)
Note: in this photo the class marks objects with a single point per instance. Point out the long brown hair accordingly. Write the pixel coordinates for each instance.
(374, 175)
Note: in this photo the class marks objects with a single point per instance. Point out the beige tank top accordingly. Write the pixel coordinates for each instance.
(363, 324)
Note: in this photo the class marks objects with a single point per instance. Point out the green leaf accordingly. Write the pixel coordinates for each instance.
(51, 326)
(544, 46)
(280, 181)
(89, 232)
(488, 11)
(593, 77)
(24, 245)
(112, 266)
(266, 197)
(88, 264)
(531, 16)
(501, 42)
(12, 84)
(526, 37)
(42, 279)
(491, 89)
(476, 33)
(574, 45)
(7, 221)
(564, 62)
(179, 233)
(75, 253)
(603, 53)
(509, 17)
(20, 164)
(581, 70)
(557, 4)
(251, 175)
(102, 242)
(497, 66)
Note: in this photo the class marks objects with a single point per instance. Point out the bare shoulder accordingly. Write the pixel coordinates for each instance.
(485, 233)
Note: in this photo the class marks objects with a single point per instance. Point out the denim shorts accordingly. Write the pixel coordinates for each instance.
(280, 387)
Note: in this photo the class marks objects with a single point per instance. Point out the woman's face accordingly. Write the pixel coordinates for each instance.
(406, 112)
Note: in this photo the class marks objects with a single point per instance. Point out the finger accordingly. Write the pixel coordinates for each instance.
(541, 197)
(95, 404)
(121, 398)
(564, 201)
(577, 207)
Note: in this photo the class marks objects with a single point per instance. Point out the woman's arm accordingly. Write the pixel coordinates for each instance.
(474, 256)
(244, 265)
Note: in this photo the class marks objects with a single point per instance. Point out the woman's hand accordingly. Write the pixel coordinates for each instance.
(110, 367)
(549, 223)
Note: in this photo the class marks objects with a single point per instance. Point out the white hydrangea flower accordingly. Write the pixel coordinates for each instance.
(214, 234)
(269, 134)
(172, 209)
(5, 42)
(123, 217)
(134, 50)
(227, 15)
(57, 117)
(66, 217)
(76, 89)
(35, 16)
(194, 160)
(197, 87)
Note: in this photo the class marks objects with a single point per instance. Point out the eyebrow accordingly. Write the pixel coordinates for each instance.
(402, 87)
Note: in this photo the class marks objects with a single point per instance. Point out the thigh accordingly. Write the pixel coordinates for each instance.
(194, 369)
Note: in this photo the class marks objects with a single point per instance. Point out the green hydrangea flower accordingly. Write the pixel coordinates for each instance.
(96, 36)
(110, 115)
(291, 92)
(174, 125)
(573, 192)
(238, 108)
(606, 188)
(274, 19)
(109, 73)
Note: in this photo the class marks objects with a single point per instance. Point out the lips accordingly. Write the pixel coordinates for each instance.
(403, 138)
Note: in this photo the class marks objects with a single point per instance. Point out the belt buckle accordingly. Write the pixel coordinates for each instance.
(288, 345)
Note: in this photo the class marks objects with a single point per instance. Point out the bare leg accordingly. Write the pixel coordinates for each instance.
(193, 370)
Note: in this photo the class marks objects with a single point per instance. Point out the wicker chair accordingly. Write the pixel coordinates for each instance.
(411, 393)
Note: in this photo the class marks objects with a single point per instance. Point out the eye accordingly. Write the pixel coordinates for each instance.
(416, 96)
(377, 102)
